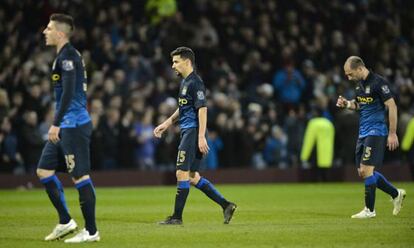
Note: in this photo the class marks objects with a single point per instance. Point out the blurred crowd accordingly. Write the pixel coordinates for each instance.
(269, 67)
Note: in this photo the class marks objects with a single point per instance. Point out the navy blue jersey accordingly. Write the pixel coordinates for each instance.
(371, 95)
(191, 97)
(70, 84)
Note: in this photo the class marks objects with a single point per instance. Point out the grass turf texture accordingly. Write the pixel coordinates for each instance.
(269, 215)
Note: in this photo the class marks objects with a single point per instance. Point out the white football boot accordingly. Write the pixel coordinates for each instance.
(364, 214)
(83, 236)
(62, 230)
(398, 201)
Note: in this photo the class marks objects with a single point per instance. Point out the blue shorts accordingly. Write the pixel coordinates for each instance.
(189, 156)
(71, 153)
(370, 150)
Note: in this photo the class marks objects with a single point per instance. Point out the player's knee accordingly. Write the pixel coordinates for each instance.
(364, 173)
(77, 180)
(194, 178)
(42, 173)
(182, 175)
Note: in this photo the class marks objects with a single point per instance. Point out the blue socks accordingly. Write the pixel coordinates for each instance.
(87, 200)
(54, 190)
(370, 186)
(208, 188)
(384, 185)
(183, 188)
(374, 181)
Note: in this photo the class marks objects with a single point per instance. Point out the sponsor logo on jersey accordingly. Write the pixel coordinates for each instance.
(365, 100)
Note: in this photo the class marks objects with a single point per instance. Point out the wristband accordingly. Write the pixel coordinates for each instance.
(348, 104)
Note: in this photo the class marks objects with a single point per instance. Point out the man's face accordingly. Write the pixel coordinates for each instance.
(180, 65)
(51, 34)
(353, 74)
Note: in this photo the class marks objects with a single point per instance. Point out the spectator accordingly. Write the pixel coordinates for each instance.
(109, 129)
(10, 158)
(145, 148)
(31, 141)
(289, 84)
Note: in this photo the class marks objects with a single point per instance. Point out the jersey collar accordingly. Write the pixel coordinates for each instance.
(369, 78)
(190, 76)
(64, 48)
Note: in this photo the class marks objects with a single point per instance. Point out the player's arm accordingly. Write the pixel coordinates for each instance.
(68, 91)
(172, 119)
(392, 141)
(202, 126)
(349, 104)
(160, 129)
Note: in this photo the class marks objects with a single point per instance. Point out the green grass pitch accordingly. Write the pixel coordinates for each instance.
(269, 215)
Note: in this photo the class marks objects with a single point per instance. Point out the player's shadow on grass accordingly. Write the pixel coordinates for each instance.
(126, 220)
(23, 239)
(321, 214)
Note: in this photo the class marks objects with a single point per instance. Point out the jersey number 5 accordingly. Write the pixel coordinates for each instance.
(70, 162)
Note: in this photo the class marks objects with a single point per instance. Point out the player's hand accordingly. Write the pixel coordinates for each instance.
(202, 145)
(341, 102)
(159, 130)
(392, 141)
(53, 134)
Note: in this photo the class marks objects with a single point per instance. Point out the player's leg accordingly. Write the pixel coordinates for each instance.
(366, 172)
(202, 183)
(87, 200)
(208, 189)
(185, 157)
(397, 195)
(363, 154)
(75, 146)
(183, 189)
(211, 192)
(384, 185)
(47, 165)
(378, 145)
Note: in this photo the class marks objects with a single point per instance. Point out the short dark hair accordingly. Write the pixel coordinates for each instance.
(184, 52)
(355, 62)
(65, 19)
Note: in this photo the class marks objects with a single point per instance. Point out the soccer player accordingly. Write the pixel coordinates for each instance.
(192, 115)
(373, 98)
(69, 135)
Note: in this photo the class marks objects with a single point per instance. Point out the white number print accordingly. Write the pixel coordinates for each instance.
(70, 162)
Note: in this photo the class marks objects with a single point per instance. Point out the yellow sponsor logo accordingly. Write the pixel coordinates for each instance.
(362, 99)
(182, 101)
(55, 77)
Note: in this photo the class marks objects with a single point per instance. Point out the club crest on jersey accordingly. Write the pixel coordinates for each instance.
(67, 65)
(184, 91)
(367, 90)
(385, 89)
(200, 95)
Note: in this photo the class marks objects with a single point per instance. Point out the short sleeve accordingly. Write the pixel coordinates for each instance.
(198, 93)
(384, 90)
